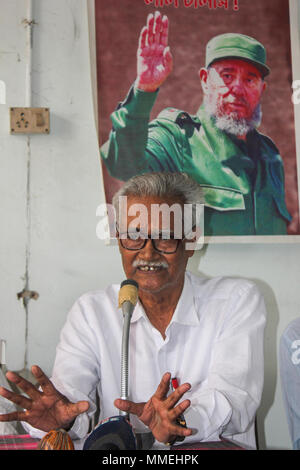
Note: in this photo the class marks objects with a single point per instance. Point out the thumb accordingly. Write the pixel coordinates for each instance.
(168, 59)
(79, 407)
(129, 406)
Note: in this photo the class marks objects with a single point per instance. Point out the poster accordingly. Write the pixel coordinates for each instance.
(192, 24)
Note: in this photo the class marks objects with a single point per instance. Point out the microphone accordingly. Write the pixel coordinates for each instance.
(128, 295)
(116, 432)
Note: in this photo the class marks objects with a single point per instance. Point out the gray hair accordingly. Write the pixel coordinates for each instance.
(164, 185)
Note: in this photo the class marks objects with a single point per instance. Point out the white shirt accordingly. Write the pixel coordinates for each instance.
(214, 341)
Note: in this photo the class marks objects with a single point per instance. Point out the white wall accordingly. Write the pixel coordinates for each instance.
(54, 220)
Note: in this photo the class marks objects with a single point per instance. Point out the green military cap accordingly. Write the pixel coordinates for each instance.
(237, 46)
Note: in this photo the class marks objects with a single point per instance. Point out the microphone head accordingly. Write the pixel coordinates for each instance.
(113, 433)
(128, 292)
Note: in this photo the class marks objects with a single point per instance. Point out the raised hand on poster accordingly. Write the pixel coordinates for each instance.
(154, 59)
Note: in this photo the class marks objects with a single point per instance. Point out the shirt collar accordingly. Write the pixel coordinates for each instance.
(185, 312)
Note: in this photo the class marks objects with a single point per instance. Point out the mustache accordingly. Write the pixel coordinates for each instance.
(154, 264)
(235, 100)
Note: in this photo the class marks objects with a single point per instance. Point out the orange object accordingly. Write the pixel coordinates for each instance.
(56, 440)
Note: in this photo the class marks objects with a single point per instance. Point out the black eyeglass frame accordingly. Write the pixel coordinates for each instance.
(153, 240)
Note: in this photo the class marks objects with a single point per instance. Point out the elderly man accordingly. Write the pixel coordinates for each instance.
(239, 169)
(208, 333)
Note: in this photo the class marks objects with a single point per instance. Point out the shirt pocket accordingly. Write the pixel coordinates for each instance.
(223, 199)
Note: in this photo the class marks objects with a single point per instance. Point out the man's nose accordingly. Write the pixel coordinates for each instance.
(149, 252)
(237, 86)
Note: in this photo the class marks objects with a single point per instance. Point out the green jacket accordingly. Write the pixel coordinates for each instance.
(243, 183)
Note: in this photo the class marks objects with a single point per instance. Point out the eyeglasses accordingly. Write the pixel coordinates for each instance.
(137, 241)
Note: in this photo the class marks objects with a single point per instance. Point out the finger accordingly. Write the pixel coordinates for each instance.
(174, 397)
(179, 409)
(76, 409)
(165, 31)
(157, 27)
(14, 416)
(168, 59)
(15, 398)
(150, 24)
(143, 37)
(46, 384)
(129, 406)
(176, 430)
(163, 387)
(23, 384)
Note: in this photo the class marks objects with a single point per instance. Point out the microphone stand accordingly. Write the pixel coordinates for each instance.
(144, 440)
(124, 361)
(116, 432)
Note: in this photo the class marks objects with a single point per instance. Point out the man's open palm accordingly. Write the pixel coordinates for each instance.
(154, 59)
(44, 409)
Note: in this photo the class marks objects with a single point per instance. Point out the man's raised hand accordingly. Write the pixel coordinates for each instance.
(161, 411)
(154, 59)
(44, 409)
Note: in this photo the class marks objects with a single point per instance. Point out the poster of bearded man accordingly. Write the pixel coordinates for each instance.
(204, 88)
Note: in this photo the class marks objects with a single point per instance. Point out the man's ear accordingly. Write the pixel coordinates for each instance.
(265, 86)
(203, 75)
(118, 241)
(195, 242)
